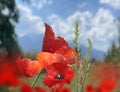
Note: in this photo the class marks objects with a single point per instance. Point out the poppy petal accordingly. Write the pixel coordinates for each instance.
(58, 74)
(60, 90)
(90, 88)
(50, 42)
(26, 88)
(48, 58)
(108, 85)
(39, 89)
(8, 75)
(28, 67)
(57, 45)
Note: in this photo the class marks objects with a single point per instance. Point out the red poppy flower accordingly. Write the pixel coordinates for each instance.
(39, 89)
(8, 74)
(60, 90)
(63, 90)
(57, 45)
(105, 86)
(28, 88)
(28, 67)
(48, 58)
(58, 74)
(90, 88)
(50, 42)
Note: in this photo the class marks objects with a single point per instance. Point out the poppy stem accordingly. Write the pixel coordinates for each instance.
(55, 89)
(36, 79)
(27, 80)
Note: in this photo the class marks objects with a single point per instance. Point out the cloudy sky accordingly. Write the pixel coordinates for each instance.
(96, 20)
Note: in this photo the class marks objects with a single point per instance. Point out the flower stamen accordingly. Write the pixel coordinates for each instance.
(59, 76)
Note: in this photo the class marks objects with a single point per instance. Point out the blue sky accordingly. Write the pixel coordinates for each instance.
(96, 20)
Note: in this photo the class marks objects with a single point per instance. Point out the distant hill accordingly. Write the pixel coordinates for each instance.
(33, 42)
(95, 54)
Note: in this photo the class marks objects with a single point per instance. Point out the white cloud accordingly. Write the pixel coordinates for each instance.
(99, 27)
(113, 3)
(41, 3)
(102, 25)
(28, 22)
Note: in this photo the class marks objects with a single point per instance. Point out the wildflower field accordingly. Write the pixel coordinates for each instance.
(59, 46)
(58, 68)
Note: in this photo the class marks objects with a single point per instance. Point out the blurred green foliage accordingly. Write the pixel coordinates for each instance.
(83, 66)
(31, 55)
(113, 54)
(8, 17)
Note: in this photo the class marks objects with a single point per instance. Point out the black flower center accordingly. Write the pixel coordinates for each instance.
(59, 76)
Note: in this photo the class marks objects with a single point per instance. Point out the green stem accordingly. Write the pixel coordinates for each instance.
(36, 79)
(55, 88)
(27, 81)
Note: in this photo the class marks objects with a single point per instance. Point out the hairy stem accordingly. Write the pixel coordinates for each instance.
(36, 80)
